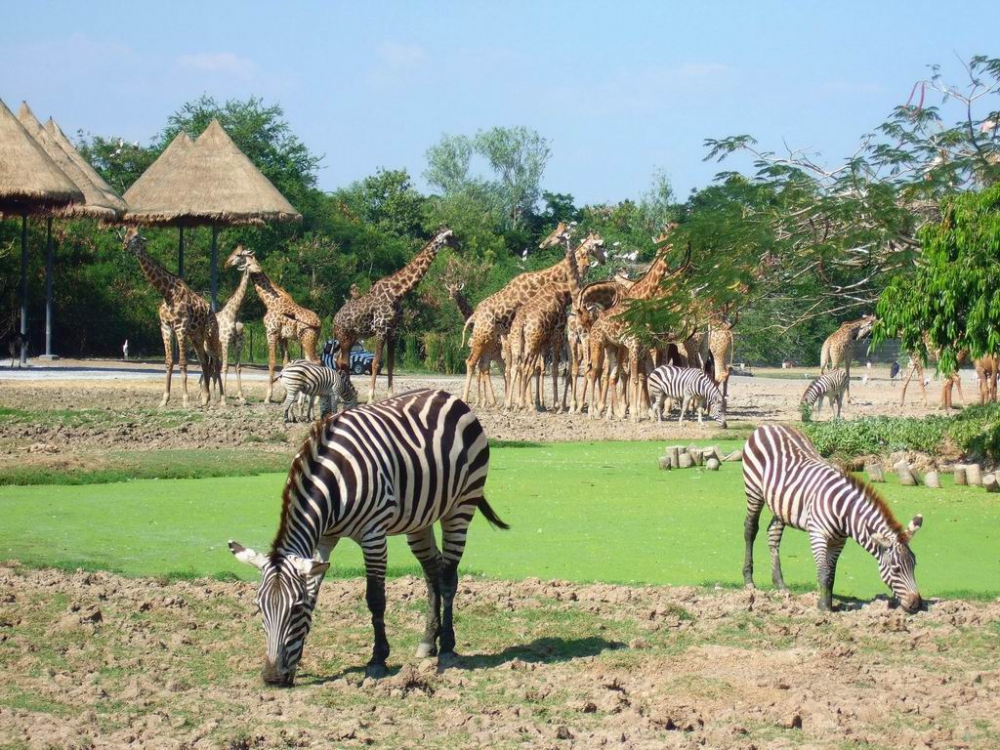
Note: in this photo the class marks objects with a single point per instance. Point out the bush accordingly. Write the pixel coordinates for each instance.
(975, 433)
(444, 353)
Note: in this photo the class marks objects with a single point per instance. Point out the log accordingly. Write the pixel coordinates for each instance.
(960, 477)
(875, 472)
(696, 456)
(675, 456)
(686, 461)
(905, 475)
(664, 462)
(734, 456)
(712, 452)
(991, 483)
(974, 473)
(712, 464)
(931, 479)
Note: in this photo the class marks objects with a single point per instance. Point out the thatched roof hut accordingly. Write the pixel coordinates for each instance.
(30, 181)
(110, 196)
(97, 203)
(211, 182)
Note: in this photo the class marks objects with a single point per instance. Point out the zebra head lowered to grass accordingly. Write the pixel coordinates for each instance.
(832, 385)
(782, 469)
(688, 385)
(302, 378)
(395, 467)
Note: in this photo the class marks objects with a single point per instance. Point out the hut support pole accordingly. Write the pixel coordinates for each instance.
(215, 267)
(24, 289)
(180, 253)
(49, 252)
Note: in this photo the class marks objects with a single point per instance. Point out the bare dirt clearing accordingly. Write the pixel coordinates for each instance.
(96, 660)
(122, 414)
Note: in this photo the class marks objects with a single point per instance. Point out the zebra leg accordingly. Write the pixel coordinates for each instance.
(774, 532)
(287, 405)
(374, 549)
(454, 529)
(424, 548)
(825, 553)
(750, 528)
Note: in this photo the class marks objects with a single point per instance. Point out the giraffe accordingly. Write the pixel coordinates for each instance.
(838, 349)
(609, 336)
(917, 368)
(493, 316)
(284, 320)
(594, 298)
(186, 316)
(231, 331)
(986, 369)
(540, 324)
(378, 312)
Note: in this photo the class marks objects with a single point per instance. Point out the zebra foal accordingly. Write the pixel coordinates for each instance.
(688, 385)
(303, 378)
(395, 467)
(782, 469)
(832, 385)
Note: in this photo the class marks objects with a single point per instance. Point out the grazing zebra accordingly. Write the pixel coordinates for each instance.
(394, 467)
(832, 385)
(688, 385)
(307, 379)
(781, 468)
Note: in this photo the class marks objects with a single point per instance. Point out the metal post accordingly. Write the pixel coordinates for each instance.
(180, 254)
(215, 268)
(49, 252)
(24, 289)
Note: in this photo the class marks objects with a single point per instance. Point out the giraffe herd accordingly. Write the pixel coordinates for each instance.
(550, 320)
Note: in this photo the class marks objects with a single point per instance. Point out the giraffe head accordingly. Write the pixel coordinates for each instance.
(591, 250)
(864, 326)
(560, 234)
(133, 240)
(667, 230)
(243, 259)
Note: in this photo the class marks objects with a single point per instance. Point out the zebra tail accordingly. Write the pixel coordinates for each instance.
(490, 515)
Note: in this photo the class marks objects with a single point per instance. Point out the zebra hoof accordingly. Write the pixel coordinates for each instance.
(447, 659)
(426, 650)
(376, 671)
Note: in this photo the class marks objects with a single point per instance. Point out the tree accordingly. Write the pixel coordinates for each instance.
(952, 297)
(388, 200)
(448, 164)
(120, 163)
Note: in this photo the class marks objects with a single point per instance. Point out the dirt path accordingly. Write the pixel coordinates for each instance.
(95, 660)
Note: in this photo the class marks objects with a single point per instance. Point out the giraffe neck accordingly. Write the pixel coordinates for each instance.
(463, 304)
(164, 281)
(406, 279)
(232, 308)
(648, 285)
(269, 292)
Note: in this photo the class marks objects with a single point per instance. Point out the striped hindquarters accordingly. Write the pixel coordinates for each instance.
(681, 383)
(308, 378)
(831, 385)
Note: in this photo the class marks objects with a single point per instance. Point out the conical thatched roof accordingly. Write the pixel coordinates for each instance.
(112, 198)
(30, 181)
(95, 203)
(210, 182)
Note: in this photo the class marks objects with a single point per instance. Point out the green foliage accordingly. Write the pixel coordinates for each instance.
(975, 433)
(953, 295)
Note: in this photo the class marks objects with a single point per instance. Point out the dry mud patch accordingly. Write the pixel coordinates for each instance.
(97, 660)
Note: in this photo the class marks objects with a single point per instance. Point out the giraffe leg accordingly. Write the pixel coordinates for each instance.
(238, 356)
(376, 364)
(182, 363)
(207, 373)
(390, 357)
(168, 360)
(556, 360)
(471, 368)
(272, 346)
(424, 548)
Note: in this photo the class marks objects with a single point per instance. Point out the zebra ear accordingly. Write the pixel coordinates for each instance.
(247, 555)
(916, 523)
(309, 568)
(881, 540)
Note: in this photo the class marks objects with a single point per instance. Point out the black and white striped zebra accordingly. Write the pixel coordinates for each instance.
(782, 469)
(832, 385)
(689, 385)
(394, 467)
(305, 379)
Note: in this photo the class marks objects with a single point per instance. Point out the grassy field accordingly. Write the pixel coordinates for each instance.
(582, 512)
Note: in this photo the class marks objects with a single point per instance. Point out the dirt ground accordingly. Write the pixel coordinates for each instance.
(124, 414)
(93, 660)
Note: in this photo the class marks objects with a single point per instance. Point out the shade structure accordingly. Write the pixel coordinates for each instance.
(99, 200)
(212, 183)
(30, 183)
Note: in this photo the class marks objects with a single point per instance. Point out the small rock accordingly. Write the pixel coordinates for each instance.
(563, 733)
(795, 722)
(712, 464)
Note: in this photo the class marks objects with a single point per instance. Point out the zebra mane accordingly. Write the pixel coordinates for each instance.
(879, 502)
(287, 495)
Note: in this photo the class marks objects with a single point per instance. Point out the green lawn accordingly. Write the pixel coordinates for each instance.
(579, 511)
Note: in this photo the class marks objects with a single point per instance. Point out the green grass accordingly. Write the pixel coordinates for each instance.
(579, 511)
(124, 466)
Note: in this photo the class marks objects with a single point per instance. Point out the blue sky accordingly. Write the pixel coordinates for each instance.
(621, 90)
